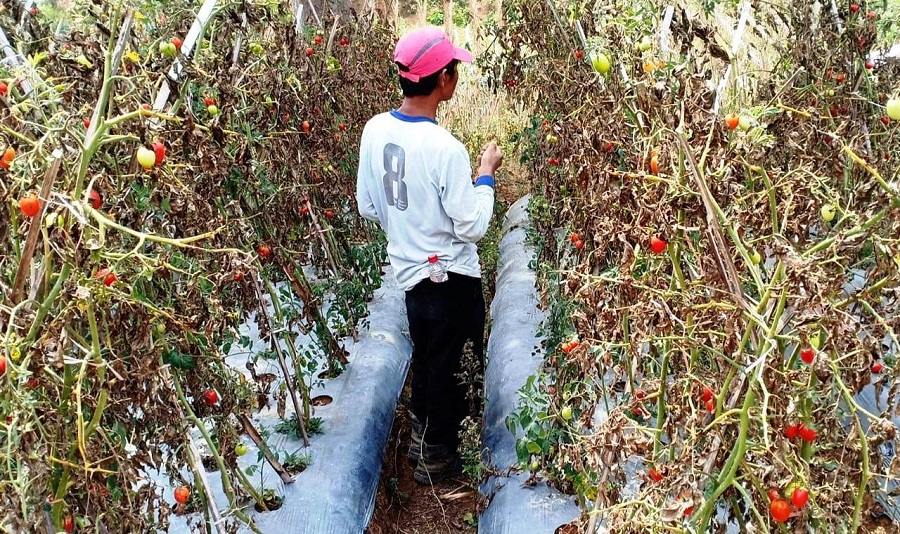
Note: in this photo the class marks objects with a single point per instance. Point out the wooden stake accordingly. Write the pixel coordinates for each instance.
(267, 452)
(301, 425)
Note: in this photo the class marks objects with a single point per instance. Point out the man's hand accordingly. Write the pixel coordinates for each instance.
(490, 159)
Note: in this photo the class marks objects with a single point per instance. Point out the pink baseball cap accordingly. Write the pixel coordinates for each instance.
(425, 51)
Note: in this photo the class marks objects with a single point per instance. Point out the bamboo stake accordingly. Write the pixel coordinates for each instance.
(267, 452)
(35, 229)
(204, 15)
(735, 46)
(283, 363)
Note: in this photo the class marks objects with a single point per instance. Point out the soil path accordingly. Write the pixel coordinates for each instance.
(404, 507)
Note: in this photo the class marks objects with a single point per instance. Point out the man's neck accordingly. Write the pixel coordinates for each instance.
(420, 106)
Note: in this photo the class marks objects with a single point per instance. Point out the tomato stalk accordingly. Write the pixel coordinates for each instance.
(727, 476)
(301, 412)
(227, 485)
(661, 399)
(865, 473)
(855, 231)
(726, 479)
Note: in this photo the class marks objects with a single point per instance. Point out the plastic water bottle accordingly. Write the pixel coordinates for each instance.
(436, 272)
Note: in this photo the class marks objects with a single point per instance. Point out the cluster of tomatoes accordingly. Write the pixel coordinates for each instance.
(780, 508)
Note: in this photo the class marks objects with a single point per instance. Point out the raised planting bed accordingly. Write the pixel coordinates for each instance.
(335, 491)
(514, 354)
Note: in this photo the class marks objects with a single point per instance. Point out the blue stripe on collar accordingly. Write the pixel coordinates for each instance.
(408, 118)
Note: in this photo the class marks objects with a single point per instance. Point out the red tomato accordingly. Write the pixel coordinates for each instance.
(4, 89)
(553, 161)
(310, 51)
(885, 120)
(342, 127)
(8, 156)
(109, 278)
(317, 39)
(345, 41)
(2, 365)
(800, 497)
(654, 165)
(657, 245)
(210, 397)
(209, 101)
(870, 64)
(706, 395)
(640, 394)
(95, 200)
(579, 244)
(807, 355)
(807, 434)
(574, 237)
(87, 123)
(732, 122)
(854, 8)
(238, 276)
(182, 494)
(710, 406)
(877, 367)
(305, 126)
(159, 150)
(329, 214)
(30, 205)
(68, 522)
(579, 54)
(841, 77)
(791, 431)
(264, 251)
(780, 510)
(773, 494)
(654, 475)
(177, 42)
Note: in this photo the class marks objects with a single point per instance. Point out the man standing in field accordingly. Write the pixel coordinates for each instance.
(415, 179)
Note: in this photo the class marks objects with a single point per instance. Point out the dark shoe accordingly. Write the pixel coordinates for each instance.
(437, 463)
(415, 442)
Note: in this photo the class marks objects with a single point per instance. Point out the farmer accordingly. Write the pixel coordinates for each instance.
(416, 180)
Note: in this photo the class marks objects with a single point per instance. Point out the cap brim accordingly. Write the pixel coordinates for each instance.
(462, 54)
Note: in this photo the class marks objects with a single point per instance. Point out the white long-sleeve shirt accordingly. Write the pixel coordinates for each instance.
(414, 178)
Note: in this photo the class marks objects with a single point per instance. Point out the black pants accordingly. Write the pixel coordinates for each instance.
(442, 317)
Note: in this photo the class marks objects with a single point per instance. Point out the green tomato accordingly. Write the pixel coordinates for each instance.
(160, 328)
(644, 44)
(240, 449)
(755, 257)
(168, 50)
(815, 340)
(213, 110)
(146, 157)
(893, 108)
(600, 62)
(535, 465)
(257, 49)
(827, 212)
(552, 139)
(50, 220)
(566, 413)
(745, 122)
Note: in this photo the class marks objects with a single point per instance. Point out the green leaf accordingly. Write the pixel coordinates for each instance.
(178, 360)
(533, 447)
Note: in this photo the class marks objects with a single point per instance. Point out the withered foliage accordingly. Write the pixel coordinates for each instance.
(706, 312)
(89, 397)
